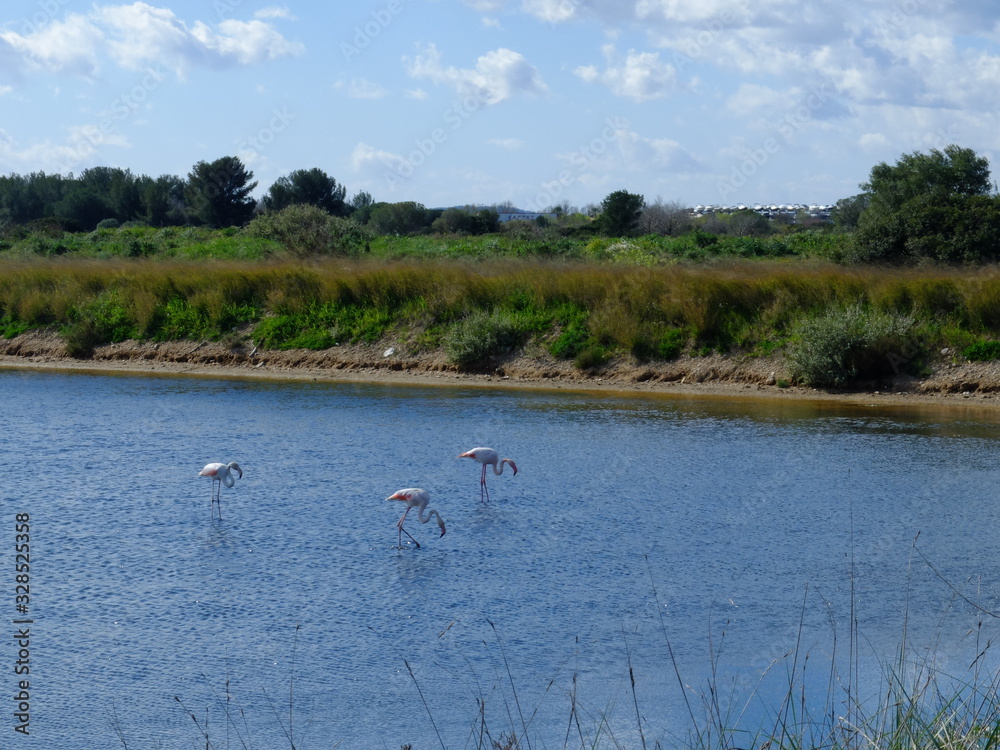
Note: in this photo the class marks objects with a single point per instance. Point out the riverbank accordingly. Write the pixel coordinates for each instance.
(949, 382)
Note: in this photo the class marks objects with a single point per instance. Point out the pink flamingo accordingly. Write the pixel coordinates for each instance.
(488, 457)
(415, 498)
(220, 473)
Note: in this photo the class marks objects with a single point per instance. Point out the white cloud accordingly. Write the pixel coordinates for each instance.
(274, 11)
(498, 75)
(71, 45)
(640, 152)
(5, 90)
(510, 144)
(78, 150)
(361, 88)
(751, 98)
(552, 11)
(140, 34)
(368, 159)
(485, 6)
(873, 141)
(641, 76)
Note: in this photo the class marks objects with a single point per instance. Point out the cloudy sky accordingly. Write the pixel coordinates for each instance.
(536, 102)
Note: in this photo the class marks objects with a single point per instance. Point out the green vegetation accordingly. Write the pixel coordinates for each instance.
(982, 351)
(843, 345)
(108, 256)
(837, 326)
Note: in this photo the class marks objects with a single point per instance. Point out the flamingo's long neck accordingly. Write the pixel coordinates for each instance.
(430, 514)
(498, 467)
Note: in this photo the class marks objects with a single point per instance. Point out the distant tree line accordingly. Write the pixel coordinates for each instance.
(213, 194)
(941, 206)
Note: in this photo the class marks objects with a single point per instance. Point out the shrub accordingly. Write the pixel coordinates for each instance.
(591, 358)
(291, 332)
(178, 320)
(476, 339)
(308, 230)
(848, 344)
(573, 339)
(671, 343)
(982, 351)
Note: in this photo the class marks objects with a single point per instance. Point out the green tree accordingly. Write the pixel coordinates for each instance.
(218, 193)
(83, 209)
(119, 188)
(748, 223)
(930, 205)
(32, 197)
(312, 187)
(847, 211)
(163, 200)
(468, 220)
(406, 217)
(620, 213)
(939, 174)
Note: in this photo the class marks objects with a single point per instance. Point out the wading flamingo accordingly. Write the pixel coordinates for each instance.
(415, 498)
(488, 457)
(220, 473)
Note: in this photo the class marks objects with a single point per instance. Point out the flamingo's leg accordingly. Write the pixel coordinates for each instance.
(483, 489)
(409, 535)
(404, 531)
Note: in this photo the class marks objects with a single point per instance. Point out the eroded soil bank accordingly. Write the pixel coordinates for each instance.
(949, 381)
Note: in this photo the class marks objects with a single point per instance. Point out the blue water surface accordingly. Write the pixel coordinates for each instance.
(673, 540)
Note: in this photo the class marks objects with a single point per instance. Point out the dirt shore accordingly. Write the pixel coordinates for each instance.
(950, 382)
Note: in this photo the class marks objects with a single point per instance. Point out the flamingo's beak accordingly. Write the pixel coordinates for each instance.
(442, 532)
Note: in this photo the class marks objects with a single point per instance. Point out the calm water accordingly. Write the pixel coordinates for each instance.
(635, 526)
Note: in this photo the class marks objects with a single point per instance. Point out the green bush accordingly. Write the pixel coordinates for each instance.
(307, 230)
(591, 358)
(982, 351)
(482, 335)
(671, 343)
(573, 339)
(178, 320)
(849, 344)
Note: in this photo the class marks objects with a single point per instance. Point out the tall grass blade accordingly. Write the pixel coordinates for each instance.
(510, 677)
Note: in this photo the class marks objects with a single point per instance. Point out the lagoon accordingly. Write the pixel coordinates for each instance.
(663, 533)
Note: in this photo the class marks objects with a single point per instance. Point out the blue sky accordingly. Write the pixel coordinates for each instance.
(536, 102)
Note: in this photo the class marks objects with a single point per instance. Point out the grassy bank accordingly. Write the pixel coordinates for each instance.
(836, 324)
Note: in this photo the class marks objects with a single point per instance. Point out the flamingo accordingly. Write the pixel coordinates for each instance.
(488, 457)
(220, 473)
(415, 498)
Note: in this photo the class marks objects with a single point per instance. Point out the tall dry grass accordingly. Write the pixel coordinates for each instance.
(620, 309)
